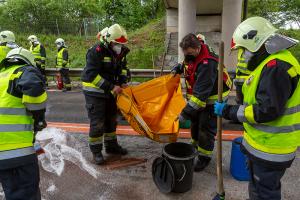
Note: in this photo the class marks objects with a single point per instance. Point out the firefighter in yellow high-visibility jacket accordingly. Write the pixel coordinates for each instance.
(63, 64)
(270, 113)
(22, 114)
(7, 43)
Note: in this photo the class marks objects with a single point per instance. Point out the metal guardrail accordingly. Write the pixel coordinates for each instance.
(135, 73)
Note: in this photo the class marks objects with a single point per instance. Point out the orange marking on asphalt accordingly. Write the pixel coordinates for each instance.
(227, 135)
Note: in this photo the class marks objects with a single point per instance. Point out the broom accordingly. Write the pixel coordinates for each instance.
(220, 189)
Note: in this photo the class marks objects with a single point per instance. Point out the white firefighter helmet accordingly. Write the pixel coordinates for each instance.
(102, 34)
(252, 34)
(201, 37)
(7, 37)
(32, 39)
(21, 54)
(60, 42)
(116, 34)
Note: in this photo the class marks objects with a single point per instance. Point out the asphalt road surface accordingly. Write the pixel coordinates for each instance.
(69, 107)
(68, 172)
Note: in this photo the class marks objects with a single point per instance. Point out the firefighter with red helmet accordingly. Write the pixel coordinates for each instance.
(200, 68)
(103, 77)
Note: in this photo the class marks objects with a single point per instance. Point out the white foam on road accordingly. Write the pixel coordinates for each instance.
(54, 142)
(106, 196)
(51, 189)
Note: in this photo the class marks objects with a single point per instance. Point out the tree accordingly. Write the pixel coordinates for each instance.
(67, 16)
(279, 12)
(291, 10)
(45, 15)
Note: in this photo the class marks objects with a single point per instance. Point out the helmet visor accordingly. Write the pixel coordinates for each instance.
(279, 42)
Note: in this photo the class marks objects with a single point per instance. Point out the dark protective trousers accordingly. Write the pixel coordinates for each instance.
(21, 183)
(204, 129)
(264, 181)
(64, 72)
(102, 113)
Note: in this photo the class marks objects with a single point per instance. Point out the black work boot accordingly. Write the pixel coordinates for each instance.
(98, 158)
(112, 147)
(201, 163)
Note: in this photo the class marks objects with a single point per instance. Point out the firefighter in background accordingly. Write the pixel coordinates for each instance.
(200, 68)
(103, 77)
(22, 112)
(241, 74)
(201, 38)
(101, 35)
(39, 53)
(62, 63)
(7, 43)
(270, 113)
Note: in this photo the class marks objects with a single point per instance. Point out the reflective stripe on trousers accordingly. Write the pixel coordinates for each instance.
(4, 155)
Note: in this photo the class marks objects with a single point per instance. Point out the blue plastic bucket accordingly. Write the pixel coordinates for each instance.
(238, 166)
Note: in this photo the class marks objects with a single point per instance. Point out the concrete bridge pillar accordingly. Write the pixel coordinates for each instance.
(187, 21)
(231, 18)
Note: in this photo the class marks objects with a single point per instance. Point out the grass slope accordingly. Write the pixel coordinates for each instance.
(145, 43)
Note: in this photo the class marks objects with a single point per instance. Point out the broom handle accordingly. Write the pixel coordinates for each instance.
(219, 122)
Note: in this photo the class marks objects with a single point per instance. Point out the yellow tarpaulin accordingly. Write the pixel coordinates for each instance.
(152, 108)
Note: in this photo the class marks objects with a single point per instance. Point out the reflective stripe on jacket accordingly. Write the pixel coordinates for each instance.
(3, 52)
(60, 62)
(16, 124)
(279, 139)
(242, 71)
(38, 57)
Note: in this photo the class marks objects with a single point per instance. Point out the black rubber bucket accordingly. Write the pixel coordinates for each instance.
(174, 170)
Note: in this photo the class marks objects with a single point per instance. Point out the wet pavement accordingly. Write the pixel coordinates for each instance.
(68, 173)
(81, 179)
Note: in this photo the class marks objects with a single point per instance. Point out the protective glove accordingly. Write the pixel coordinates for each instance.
(219, 107)
(38, 148)
(39, 120)
(177, 69)
(39, 125)
(117, 90)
